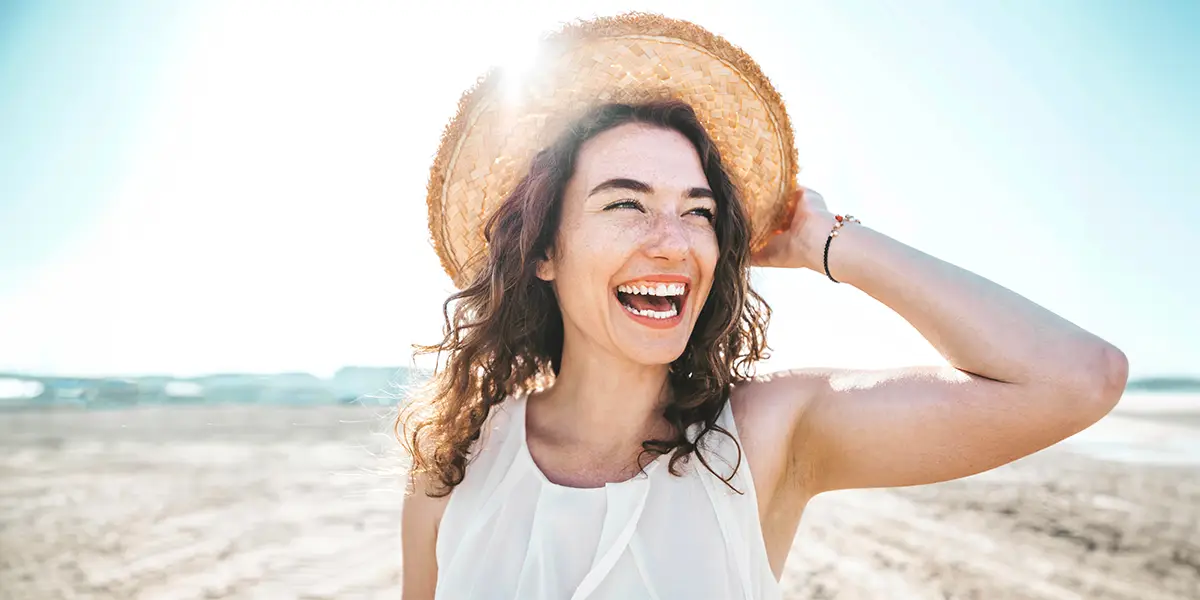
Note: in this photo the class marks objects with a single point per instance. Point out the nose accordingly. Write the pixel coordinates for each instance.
(668, 239)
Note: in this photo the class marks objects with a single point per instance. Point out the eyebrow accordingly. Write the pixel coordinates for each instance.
(643, 187)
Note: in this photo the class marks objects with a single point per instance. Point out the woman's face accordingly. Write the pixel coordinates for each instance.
(636, 248)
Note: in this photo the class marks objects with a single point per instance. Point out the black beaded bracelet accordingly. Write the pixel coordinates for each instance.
(839, 221)
(828, 240)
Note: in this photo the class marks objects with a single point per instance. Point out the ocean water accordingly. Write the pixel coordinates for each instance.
(1145, 428)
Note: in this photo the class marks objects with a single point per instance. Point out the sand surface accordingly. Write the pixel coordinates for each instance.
(258, 502)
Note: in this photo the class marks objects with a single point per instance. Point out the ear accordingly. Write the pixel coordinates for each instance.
(545, 269)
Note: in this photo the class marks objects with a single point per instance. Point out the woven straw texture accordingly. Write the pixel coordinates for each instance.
(488, 146)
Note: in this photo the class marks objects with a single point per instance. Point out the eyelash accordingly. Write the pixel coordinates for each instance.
(703, 212)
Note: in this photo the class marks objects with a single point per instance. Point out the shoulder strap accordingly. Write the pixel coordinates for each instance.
(490, 474)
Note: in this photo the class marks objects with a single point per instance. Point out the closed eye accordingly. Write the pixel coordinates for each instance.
(634, 204)
(707, 213)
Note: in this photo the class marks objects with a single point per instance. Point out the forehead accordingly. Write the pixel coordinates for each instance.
(641, 152)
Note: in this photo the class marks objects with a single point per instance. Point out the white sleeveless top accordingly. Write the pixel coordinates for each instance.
(509, 533)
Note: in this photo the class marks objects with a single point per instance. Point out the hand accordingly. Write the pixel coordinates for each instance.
(802, 243)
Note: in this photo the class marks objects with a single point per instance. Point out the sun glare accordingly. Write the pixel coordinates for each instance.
(515, 62)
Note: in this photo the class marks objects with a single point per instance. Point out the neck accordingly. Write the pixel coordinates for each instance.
(605, 403)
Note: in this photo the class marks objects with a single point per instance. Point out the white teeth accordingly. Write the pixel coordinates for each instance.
(660, 289)
(654, 289)
(653, 314)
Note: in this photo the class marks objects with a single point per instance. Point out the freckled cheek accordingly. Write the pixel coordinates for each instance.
(705, 249)
(600, 252)
(590, 258)
(607, 248)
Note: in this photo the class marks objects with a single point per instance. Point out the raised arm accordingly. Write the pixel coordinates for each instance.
(1020, 377)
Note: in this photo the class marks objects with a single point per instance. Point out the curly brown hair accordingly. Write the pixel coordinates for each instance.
(504, 331)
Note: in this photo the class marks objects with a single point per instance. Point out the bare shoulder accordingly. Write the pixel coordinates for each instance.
(422, 500)
(774, 396)
(421, 517)
(767, 408)
(767, 411)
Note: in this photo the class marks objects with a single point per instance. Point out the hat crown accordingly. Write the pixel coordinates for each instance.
(631, 59)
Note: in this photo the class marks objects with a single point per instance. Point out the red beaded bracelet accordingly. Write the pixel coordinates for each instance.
(838, 222)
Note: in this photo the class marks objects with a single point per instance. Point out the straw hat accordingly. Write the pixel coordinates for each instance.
(488, 146)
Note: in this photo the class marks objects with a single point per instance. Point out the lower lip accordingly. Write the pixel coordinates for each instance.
(651, 322)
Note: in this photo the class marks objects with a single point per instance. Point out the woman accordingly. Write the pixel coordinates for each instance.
(595, 431)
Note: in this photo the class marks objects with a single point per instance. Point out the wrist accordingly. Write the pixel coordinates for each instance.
(813, 235)
(840, 226)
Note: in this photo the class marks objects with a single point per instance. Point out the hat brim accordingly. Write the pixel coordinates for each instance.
(499, 127)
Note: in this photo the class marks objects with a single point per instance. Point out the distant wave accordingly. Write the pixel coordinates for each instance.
(1164, 384)
(351, 385)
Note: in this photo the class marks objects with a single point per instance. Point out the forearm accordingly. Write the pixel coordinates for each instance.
(979, 326)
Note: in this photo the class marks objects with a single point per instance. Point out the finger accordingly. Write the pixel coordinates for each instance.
(815, 201)
(799, 207)
(767, 252)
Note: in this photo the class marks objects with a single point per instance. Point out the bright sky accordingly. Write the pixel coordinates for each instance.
(239, 186)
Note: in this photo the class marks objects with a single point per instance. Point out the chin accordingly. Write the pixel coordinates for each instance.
(658, 358)
(652, 351)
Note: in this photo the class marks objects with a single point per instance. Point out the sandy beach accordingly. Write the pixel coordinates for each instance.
(268, 502)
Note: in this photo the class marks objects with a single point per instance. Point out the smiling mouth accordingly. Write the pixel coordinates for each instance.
(661, 301)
